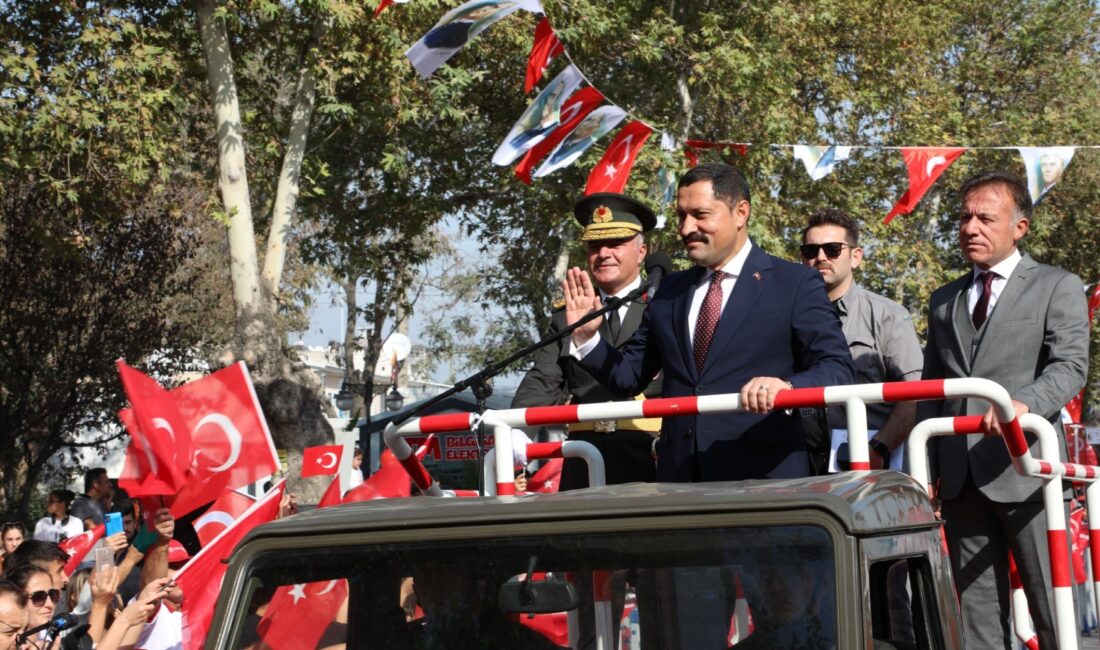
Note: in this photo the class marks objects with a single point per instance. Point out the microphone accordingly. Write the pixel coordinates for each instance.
(656, 266)
(54, 625)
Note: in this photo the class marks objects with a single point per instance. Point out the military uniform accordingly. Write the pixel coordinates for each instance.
(556, 378)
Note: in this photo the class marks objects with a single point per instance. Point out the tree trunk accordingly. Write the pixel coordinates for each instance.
(286, 194)
(289, 395)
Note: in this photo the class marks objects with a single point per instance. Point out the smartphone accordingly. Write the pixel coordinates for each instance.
(104, 557)
(113, 522)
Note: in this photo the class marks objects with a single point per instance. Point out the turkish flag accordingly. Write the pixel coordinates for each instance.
(548, 479)
(925, 166)
(228, 508)
(543, 50)
(610, 174)
(298, 615)
(160, 450)
(201, 578)
(391, 481)
(575, 109)
(233, 445)
(77, 547)
(321, 460)
(741, 625)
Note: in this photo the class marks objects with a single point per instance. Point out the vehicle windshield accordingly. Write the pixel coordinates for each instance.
(745, 587)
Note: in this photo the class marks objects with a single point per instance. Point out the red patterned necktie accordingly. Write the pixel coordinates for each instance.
(707, 321)
(982, 306)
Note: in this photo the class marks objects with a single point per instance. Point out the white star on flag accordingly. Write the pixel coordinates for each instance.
(298, 592)
(611, 171)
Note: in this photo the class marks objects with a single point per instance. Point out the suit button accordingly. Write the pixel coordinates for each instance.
(688, 433)
(698, 390)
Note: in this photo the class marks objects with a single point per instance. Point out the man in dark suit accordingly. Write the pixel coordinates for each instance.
(614, 226)
(742, 320)
(1025, 326)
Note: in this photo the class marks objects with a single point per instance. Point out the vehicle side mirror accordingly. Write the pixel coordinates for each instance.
(541, 597)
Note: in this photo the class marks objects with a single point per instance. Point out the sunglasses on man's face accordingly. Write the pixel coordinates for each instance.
(38, 598)
(832, 250)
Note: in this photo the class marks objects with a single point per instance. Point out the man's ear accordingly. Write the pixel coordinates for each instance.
(857, 257)
(741, 213)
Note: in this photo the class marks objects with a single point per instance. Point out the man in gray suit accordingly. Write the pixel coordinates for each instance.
(1023, 325)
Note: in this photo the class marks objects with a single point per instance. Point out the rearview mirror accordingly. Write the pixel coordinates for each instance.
(542, 597)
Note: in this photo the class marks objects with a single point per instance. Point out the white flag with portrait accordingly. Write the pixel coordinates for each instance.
(819, 161)
(1045, 166)
(542, 116)
(594, 126)
(458, 27)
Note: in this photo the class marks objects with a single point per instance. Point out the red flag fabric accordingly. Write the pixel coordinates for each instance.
(692, 147)
(1094, 302)
(548, 478)
(741, 626)
(297, 616)
(391, 481)
(543, 50)
(1079, 537)
(218, 517)
(322, 460)
(382, 7)
(77, 547)
(160, 451)
(232, 442)
(573, 110)
(201, 578)
(925, 166)
(610, 174)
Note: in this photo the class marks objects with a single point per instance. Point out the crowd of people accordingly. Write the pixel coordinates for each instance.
(121, 595)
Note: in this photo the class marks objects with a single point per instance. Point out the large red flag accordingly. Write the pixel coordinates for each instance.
(391, 481)
(544, 49)
(77, 547)
(228, 508)
(579, 105)
(201, 578)
(925, 166)
(321, 460)
(160, 451)
(610, 174)
(298, 615)
(233, 445)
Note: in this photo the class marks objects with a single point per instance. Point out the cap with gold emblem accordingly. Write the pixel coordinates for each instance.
(612, 216)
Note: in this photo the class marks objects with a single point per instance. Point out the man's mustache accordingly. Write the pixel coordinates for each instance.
(695, 237)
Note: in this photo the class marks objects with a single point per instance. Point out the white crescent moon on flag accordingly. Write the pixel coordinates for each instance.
(231, 434)
(331, 585)
(327, 465)
(161, 423)
(934, 162)
(213, 517)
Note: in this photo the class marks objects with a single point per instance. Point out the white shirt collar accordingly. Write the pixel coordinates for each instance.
(1004, 268)
(735, 265)
(625, 290)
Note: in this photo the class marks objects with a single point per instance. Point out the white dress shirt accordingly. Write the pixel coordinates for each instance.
(1004, 270)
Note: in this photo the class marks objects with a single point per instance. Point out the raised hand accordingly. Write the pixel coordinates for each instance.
(581, 298)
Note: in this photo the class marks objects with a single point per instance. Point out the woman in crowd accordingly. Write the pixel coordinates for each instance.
(57, 525)
(42, 598)
(11, 536)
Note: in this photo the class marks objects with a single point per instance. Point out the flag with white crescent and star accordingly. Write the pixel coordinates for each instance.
(925, 166)
(160, 449)
(78, 546)
(611, 173)
(322, 460)
(221, 514)
(298, 615)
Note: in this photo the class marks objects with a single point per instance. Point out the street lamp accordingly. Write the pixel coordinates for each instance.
(394, 399)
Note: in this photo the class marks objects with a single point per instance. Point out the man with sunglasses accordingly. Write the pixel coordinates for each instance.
(740, 321)
(880, 336)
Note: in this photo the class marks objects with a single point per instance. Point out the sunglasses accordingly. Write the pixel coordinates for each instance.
(832, 250)
(38, 598)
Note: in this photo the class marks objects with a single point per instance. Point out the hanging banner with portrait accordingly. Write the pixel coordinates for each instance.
(458, 27)
(1045, 166)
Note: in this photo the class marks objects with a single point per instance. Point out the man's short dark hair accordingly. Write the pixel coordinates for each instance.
(728, 183)
(91, 476)
(9, 588)
(123, 505)
(21, 574)
(833, 217)
(63, 495)
(1012, 184)
(36, 552)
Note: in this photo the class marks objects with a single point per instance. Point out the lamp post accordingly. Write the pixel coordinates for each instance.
(345, 401)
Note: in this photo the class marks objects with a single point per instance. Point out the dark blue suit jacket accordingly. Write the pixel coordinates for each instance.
(777, 323)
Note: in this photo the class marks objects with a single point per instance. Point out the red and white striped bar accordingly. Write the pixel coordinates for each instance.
(394, 437)
(586, 451)
(1021, 619)
(1049, 473)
